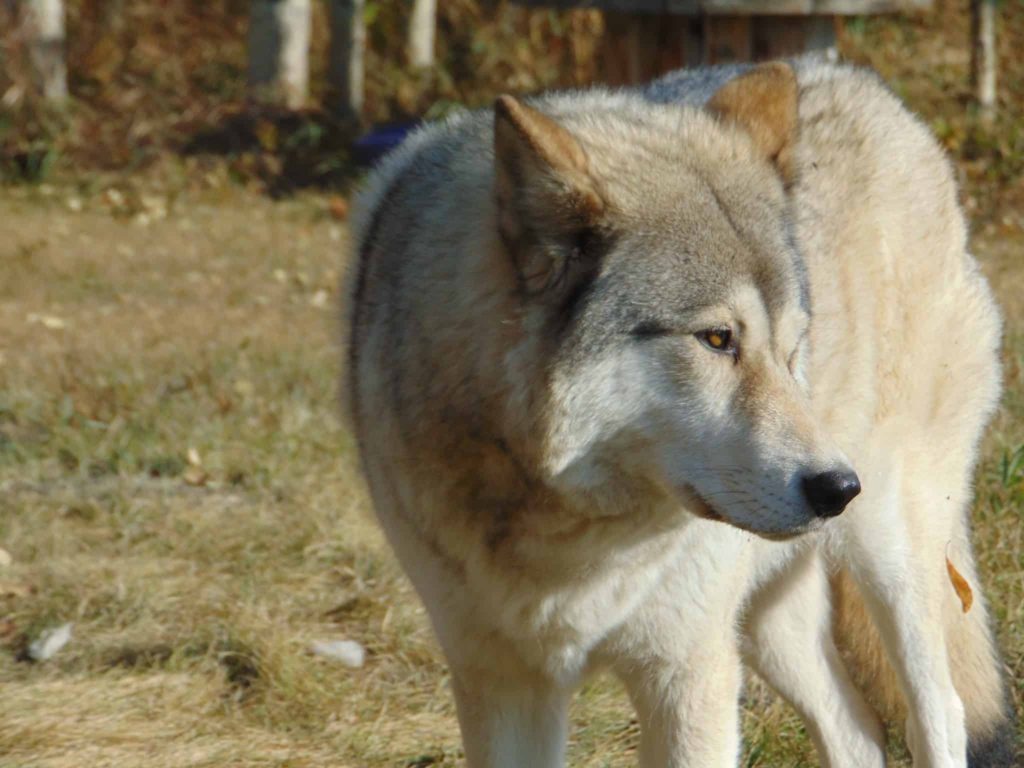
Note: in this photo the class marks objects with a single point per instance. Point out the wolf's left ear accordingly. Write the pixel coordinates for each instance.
(546, 197)
(763, 102)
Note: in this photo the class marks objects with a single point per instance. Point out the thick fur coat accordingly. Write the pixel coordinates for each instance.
(618, 360)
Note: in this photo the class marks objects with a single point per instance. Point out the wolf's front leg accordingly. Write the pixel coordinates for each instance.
(687, 707)
(788, 642)
(511, 721)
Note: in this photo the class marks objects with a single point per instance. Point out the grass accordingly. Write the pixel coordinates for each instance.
(175, 481)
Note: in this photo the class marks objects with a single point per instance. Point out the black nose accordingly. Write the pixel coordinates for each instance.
(829, 492)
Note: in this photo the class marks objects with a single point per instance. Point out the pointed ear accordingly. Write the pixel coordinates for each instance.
(546, 198)
(763, 102)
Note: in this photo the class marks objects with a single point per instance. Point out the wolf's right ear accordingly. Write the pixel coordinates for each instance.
(546, 197)
(763, 101)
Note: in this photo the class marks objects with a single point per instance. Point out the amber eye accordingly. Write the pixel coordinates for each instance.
(718, 339)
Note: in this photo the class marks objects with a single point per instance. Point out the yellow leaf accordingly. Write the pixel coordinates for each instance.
(963, 589)
(338, 207)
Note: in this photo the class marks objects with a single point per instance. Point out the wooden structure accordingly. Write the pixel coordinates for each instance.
(646, 38)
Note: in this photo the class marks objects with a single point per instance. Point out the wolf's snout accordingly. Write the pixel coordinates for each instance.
(828, 493)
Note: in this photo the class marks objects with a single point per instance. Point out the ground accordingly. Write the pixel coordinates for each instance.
(175, 480)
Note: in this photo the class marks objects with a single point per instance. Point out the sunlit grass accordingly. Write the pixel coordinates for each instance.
(175, 480)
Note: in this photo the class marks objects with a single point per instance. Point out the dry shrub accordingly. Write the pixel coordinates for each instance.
(154, 76)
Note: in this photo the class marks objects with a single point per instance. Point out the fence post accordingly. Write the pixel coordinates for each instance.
(345, 68)
(422, 24)
(45, 35)
(279, 35)
(983, 55)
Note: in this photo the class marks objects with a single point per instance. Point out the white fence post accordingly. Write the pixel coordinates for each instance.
(983, 55)
(279, 36)
(421, 33)
(44, 25)
(345, 68)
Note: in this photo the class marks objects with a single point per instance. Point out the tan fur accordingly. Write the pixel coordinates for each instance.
(542, 179)
(545, 138)
(764, 102)
(863, 651)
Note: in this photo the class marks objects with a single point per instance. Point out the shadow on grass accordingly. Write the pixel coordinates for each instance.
(289, 151)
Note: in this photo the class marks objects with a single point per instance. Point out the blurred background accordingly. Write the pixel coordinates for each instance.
(126, 87)
(190, 574)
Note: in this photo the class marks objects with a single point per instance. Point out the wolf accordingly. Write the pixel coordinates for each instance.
(631, 372)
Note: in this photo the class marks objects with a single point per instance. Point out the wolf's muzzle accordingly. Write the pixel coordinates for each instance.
(828, 493)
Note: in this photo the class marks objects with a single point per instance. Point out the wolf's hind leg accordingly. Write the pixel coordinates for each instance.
(519, 722)
(788, 642)
(900, 581)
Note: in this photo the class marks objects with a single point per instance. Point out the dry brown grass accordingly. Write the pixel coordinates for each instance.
(195, 591)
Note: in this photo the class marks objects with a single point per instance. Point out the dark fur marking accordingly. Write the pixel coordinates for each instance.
(581, 269)
(725, 212)
(997, 750)
(574, 301)
(802, 274)
(649, 329)
(372, 232)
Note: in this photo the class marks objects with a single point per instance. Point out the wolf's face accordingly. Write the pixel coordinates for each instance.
(661, 266)
(702, 392)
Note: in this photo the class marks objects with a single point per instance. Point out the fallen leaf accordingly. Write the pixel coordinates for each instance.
(154, 205)
(12, 96)
(114, 198)
(320, 299)
(338, 206)
(49, 642)
(224, 403)
(52, 322)
(348, 652)
(963, 589)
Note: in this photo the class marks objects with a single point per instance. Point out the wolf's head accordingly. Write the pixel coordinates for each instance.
(654, 255)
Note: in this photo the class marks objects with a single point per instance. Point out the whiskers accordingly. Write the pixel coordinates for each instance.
(749, 499)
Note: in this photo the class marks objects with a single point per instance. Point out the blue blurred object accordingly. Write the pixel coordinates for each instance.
(380, 140)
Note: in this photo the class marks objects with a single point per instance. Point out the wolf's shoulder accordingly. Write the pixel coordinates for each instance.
(427, 149)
